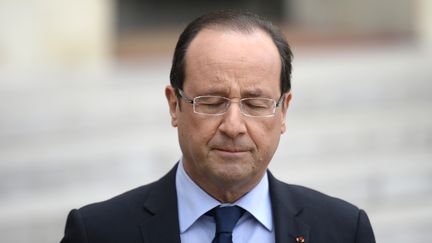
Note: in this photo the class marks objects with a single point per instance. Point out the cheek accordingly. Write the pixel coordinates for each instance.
(196, 132)
(266, 137)
(265, 130)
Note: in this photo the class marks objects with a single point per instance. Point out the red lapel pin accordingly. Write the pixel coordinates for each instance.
(300, 239)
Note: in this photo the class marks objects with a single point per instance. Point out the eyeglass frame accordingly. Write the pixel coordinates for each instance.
(180, 93)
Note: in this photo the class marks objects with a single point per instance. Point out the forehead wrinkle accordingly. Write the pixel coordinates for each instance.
(236, 84)
(233, 73)
(219, 91)
(229, 64)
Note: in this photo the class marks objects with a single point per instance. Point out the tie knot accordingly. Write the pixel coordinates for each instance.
(226, 218)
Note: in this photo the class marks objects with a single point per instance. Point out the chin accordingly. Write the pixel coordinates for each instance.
(234, 173)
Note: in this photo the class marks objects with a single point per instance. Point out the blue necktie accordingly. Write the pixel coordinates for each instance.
(226, 218)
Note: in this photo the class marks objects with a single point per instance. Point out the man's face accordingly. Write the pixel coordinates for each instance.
(230, 150)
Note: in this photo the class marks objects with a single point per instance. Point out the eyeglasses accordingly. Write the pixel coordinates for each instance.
(218, 105)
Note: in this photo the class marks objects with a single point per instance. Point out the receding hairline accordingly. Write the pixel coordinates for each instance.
(222, 29)
(232, 29)
(239, 27)
(236, 22)
(229, 30)
(190, 61)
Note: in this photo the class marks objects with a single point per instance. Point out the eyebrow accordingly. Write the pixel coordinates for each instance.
(217, 91)
(252, 93)
(257, 92)
(246, 93)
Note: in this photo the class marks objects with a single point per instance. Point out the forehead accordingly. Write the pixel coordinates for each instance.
(225, 59)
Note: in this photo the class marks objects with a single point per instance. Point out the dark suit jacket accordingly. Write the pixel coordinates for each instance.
(148, 214)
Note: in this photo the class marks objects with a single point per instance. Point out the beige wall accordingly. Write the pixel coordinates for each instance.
(39, 34)
(424, 23)
(353, 16)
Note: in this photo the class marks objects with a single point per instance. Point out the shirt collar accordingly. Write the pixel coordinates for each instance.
(193, 202)
(261, 211)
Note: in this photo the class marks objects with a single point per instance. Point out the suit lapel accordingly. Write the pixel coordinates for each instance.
(161, 221)
(287, 226)
(161, 213)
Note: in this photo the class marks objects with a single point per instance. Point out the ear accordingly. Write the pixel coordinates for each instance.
(172, 104)
(284, 109)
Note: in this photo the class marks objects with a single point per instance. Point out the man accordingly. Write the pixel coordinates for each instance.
(229, 94)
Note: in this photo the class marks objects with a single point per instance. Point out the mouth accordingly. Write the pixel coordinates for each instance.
(231, 150)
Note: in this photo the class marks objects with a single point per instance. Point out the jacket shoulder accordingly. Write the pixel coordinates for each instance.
(119, 219)
(330, 219)
(316, 200)
(135, 198)
(127, 200)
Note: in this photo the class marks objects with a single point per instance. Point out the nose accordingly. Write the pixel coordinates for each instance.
(233, 123)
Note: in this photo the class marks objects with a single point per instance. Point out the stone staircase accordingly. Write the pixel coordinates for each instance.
(359, 128)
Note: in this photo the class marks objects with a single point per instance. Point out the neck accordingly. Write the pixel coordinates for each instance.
(227, 191)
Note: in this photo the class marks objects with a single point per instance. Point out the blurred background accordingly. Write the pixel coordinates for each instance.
(83, 115)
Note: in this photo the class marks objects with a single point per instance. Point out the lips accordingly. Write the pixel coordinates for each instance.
(226, 146)
(231, 153)
(231, 149)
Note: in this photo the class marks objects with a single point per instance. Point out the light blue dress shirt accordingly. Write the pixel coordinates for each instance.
(256, 224)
